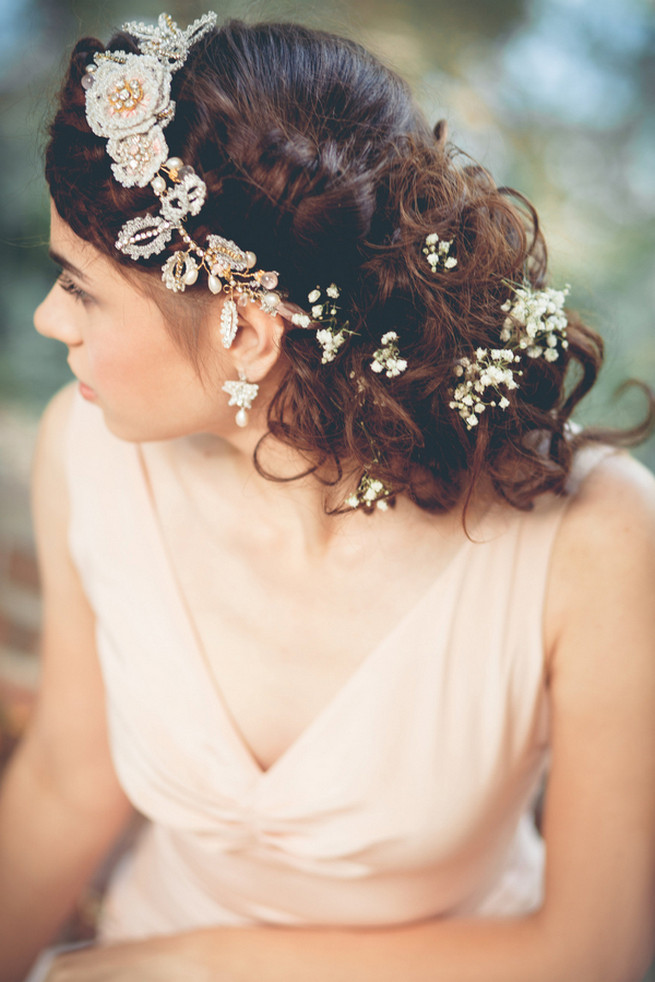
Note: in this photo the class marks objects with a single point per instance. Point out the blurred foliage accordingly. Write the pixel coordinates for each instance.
(554, 96)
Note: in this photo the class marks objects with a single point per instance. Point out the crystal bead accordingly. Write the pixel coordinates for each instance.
(243, 300)
(87, 81)
(185, 171)
(214, 284)
(269, 281)
(251, 259)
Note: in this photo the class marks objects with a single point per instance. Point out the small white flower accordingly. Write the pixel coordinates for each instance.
(481, 383)
(437, 252)
(300, 320)
(386, 358)
(333, 291)
(396, 367)
(314, 295)
(317, 312)
(330, 341)
(370, 493)
(536, 321)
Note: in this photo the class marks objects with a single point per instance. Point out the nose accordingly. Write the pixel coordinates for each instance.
(55, 320)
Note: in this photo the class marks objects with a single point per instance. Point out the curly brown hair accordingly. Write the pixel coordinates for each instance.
(317, 158)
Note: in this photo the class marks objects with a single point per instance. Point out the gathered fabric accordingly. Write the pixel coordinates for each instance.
(408, 797)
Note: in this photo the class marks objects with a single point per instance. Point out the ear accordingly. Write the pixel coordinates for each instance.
(257, 345)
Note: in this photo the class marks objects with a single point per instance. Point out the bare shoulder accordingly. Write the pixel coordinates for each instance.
(617, 488)
(604, 554)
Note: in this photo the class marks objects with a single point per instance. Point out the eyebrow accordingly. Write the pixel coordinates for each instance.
(66, 264)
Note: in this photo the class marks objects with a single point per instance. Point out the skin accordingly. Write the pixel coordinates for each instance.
(62, 805)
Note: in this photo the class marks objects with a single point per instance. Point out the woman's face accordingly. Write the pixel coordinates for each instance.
(120, 351)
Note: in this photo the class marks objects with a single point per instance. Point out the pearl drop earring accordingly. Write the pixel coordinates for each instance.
(242, 394)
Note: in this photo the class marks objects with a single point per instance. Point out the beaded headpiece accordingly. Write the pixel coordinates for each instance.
(128, 102)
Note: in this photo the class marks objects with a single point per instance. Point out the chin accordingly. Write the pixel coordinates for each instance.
(136, 431)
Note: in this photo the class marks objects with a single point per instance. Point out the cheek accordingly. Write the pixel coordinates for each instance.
(148, 389)
(113, 368)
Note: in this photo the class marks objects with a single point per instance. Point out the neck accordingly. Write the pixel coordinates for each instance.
(290, 515)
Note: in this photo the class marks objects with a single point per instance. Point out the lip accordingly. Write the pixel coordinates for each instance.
(85, 390)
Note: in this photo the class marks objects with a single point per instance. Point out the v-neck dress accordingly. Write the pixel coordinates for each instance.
(408, 797)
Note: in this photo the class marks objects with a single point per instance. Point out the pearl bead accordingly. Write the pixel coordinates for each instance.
(269, 281)
(174, 163)
(190, 276)
(214, 284)
(271, 299)
(242, 418)
(158, 184)
(251, 259)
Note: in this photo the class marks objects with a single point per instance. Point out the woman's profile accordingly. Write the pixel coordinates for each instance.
(331, 580)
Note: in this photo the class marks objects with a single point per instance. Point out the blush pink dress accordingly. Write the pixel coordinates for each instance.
(408, 797)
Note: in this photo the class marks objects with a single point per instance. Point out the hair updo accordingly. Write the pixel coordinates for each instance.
(316, 158)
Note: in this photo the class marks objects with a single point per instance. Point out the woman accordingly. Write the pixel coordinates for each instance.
(351, 576)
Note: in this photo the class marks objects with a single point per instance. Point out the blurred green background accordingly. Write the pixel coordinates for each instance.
(554, 96)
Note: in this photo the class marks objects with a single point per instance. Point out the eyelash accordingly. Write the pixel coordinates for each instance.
(67, 284)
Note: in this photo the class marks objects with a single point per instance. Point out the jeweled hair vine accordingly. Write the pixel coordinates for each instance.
(128, 102)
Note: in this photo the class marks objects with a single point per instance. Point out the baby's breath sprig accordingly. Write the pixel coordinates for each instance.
(483, 380)
(536, 321)
(386, 359)
(437, 252)
(371, 493)
(535, 325)
(331, 335)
